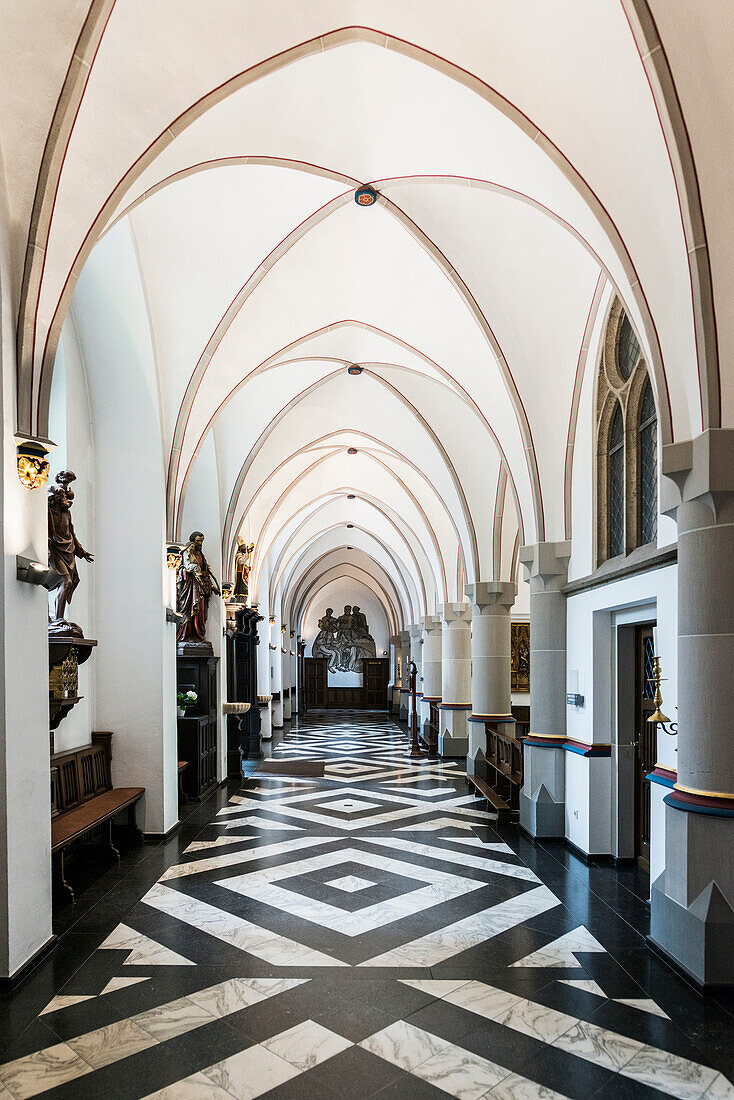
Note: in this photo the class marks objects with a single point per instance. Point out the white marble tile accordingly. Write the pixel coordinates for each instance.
(227, 859)
(597, 1044)
(721, 1089)
(108, 1044)
(121, 983)
(454, 938)
(43, 1070)
(404, 1045)
(144, 951)
(251, 1073)
(531, 1018)
(560, 952)
(460, 1073)
(307, 1044)
(349, 883)
(587, 985)
(174, 1018)
(195, 1087)
(669, 1073)
(481, 863)
(484, 1000)
(516, 1087)
(227, 997)
(643, 1004)
(66, 1002)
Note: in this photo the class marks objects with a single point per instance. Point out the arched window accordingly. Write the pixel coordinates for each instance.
(648, 467)
(626, 452)
(616, 485)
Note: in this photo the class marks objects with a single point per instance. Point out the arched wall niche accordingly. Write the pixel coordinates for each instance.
(337, 593)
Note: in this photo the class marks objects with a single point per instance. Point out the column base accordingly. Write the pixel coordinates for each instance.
(453, 737)
(540, 816)
(698, 938)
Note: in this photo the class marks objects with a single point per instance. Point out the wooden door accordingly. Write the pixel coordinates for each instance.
(375, 673)
(645, 740)
(315, 681)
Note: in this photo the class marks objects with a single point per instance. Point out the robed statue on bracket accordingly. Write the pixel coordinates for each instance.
(242, 570)
(195, 583)
(63, 550)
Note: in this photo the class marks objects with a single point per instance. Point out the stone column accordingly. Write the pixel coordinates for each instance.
(405, 679)
(286, 675)
(491, 695)
(276, 673)
(692, 901)
(543, 796)
(431, 668)
(453, 737)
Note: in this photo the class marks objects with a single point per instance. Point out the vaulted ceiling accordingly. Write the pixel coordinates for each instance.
(529, 162)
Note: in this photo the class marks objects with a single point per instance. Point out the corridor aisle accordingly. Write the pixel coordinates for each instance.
(369, 933)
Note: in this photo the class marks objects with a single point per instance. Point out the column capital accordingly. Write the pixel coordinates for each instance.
(499, 594)
(431, 622)
(404, 637)
(546, 562)
(699, 469)
(415, 630)
(395, 639)
(454, 612)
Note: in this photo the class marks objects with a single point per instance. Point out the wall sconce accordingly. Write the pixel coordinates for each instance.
(34, 572)
(227, 588)
(271, 620)
(657, 717)
(282, 629)
(293, 633)
(173, 555)
(33, 465)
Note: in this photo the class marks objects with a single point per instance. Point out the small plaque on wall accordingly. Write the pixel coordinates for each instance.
(520, 649)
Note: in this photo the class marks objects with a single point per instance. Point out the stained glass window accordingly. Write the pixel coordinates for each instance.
(628, 349)
(648, 472)
(616, 485)
(648, 654)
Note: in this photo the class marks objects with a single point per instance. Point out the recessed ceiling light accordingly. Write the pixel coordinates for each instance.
(352, 451)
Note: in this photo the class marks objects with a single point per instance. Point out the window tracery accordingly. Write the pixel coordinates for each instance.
(626, 437)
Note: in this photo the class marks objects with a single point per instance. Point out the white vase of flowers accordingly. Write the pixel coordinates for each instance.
(184, 700)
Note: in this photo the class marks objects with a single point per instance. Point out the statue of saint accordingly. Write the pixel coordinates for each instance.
(195, 583)
(242, 570)
(63, 550)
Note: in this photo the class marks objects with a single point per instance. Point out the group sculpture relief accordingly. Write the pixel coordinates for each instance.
(345, 641)
(195, 584)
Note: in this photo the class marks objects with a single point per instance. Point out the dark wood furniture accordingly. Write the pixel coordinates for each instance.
(499, 777)
(83, 799)
(243, 736)
(182, 797)
(370, 695)
(197, 730)
(429, 733)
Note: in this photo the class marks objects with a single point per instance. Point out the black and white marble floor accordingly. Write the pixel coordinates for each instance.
(366, 934)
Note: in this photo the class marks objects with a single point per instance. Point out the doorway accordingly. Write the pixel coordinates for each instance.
(645, 742)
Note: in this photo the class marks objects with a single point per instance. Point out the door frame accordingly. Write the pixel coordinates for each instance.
(624, 841)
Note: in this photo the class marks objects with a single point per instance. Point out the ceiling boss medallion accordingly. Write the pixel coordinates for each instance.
(365, 196)
(355, 369)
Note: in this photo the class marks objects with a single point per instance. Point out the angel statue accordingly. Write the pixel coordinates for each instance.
(195, 583)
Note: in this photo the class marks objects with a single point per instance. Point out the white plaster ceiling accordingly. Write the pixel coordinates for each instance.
(523, 165)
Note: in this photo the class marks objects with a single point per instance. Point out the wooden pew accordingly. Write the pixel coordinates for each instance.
(83, 798)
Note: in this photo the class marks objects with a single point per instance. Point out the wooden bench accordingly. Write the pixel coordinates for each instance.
(83, 798)
(504, 812)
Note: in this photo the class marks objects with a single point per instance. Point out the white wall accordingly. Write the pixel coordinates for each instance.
(593, 618)
(70, 428)
(337, 594)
